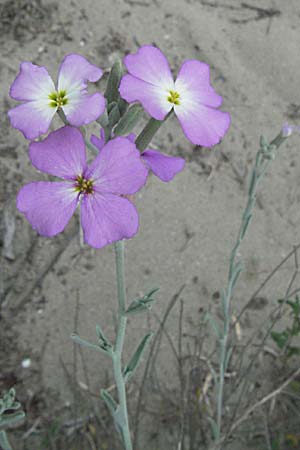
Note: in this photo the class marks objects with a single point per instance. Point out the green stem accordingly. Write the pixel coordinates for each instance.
(117, 355)
(146, 135)
(4, 444)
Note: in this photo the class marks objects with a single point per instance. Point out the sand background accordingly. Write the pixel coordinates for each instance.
(187, 226)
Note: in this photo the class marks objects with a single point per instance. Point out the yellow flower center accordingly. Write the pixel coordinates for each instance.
(84, 186)
(58, 99)
(174, 97)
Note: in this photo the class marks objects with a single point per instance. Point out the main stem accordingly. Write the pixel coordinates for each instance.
(4, 441)
(117, 355)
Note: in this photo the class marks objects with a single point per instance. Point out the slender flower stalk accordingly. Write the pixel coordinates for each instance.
(147, 133)
(117, 355)
(264, 156)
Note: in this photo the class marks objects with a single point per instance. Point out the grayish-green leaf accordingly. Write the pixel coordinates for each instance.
(235, 274)
(122, 105)
(114, 116)
(110, 402)
(214, 428)
(103, 119)
(142, 304)
(135, 359)
(227, 359)
(113, 82)
(129, 120)
(88, 344)
(263, 142)
(103, 341)
(11, 419)
(213, 324)
(4, 444)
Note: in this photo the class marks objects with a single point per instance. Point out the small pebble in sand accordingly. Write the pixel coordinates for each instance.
(26, 363)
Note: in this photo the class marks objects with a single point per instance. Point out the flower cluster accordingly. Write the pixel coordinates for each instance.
(119, 169)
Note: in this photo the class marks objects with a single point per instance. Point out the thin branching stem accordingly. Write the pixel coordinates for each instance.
(263, 158)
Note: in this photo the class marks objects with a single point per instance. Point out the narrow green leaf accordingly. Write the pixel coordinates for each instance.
(122, 105)
(214, 428)
(11, 419)
(119, 422)
(88, 344)
(120, 418)
(213, 324)
(142, 304)
(103, 120)
(263, 142)
(252, 183)
(245, 226)
(293, 351)
(114, 116)
(100, 333)
(4, 444)
(227, 359)
(280, 338)
(269, 156)
(150, 293)
(110, 402)
(129, 120)
(111, 106)
(135, 359)
(113, 82)
(15, 405)
(236, 273)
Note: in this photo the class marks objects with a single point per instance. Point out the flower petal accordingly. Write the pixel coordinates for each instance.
(131, 137)
(150, 64)
(32, 83)
(61, 154)
(48, 206)
(82, 109)
(107, 218)
(193, 84)
(203, 125)
(152, 97)
(98, 142)
(165, 167)
(118, 168)
(75, 71)
(32, 118)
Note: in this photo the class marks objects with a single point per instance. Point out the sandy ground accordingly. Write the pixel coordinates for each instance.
(187, 227)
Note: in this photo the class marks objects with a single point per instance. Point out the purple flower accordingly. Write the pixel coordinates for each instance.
(41, 98)
(191, 96)
(165, 167)
(106, 216)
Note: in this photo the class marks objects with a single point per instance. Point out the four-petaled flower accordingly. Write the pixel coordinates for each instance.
(35, 87)
(193, 99)
(106, 216)
(165, 167)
